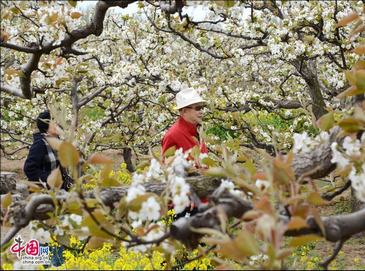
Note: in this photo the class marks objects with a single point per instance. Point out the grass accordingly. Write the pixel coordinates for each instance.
(352, 254)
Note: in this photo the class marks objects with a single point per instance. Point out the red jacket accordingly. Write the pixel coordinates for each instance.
(183, 135)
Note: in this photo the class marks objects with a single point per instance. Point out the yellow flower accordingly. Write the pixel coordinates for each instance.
(7, 266)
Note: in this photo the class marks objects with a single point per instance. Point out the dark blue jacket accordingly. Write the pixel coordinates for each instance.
(37, 167)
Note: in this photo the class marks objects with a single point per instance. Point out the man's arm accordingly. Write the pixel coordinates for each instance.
(33, 166)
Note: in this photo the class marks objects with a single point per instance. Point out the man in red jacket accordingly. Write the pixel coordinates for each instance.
(183, 133)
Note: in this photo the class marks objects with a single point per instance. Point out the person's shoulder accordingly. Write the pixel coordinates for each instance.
(38, 140)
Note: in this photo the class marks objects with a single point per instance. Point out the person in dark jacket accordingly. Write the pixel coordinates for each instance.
(42, 159)
(39, 164)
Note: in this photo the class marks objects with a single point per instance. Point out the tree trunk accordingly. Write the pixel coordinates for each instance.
(127, 156)
(308, 71)
(7, 181)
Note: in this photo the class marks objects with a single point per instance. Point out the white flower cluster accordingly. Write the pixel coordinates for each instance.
(72, 221)
(154, 171)
(352, 149)
(358, 182)
(150, 209)
(229, 185)
(304, 144)
(179, 188)
(153, 234)
(180, 163)
(41, 235)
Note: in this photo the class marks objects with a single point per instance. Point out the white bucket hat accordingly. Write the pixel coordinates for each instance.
(187, 97)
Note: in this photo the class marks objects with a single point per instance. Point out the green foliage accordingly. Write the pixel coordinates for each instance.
(93, 113)
(221, 132)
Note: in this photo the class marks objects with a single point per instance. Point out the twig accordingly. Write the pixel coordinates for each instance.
(157, 241)
(336, 250)
(330, 196)
(101, 227)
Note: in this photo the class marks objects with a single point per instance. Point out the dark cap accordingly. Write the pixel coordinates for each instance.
(43, 121)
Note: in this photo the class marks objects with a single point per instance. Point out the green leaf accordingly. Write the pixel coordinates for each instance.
(75, 15)
(95, 227)
(351, 91)
(52, 19)
(95, 243)
(244, 245)
(351, 125)
(225, 3)
(73, 3)
(360, 50)
(360, 80)
(326, 122)
(296, 222)
(250, 166)
(170, 151)
(68, 154)
(73, 206)
(316, 199)
(136, 204)
(99, 158)
(15, 10)
(209, 162)
(216, 172)
(54, 179)
(348, 19)
(6, 201)
(282, 171)
(109, 182)
(195, 152)
(229, 3)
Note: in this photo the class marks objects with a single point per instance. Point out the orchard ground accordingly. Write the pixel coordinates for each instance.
(352, 255)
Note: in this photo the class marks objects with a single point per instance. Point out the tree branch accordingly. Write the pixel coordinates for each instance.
(94, 27)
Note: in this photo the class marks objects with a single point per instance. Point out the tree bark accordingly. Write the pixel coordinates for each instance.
(127, 156)
(7, 182)
(308, 71)
(317, 163)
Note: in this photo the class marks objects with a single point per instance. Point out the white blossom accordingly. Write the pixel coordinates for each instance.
(134, 191)
(154, 171)
(263, 185)
(76, 218)
(180, 202)
(41, 235)
(358, 182)
(180, 163)
(302, 143)
(337, 156)
(229, 185)
(352, 146)
(153, 234)
(150, 210)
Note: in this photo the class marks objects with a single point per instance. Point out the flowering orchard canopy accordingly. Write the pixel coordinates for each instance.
(284, 84)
